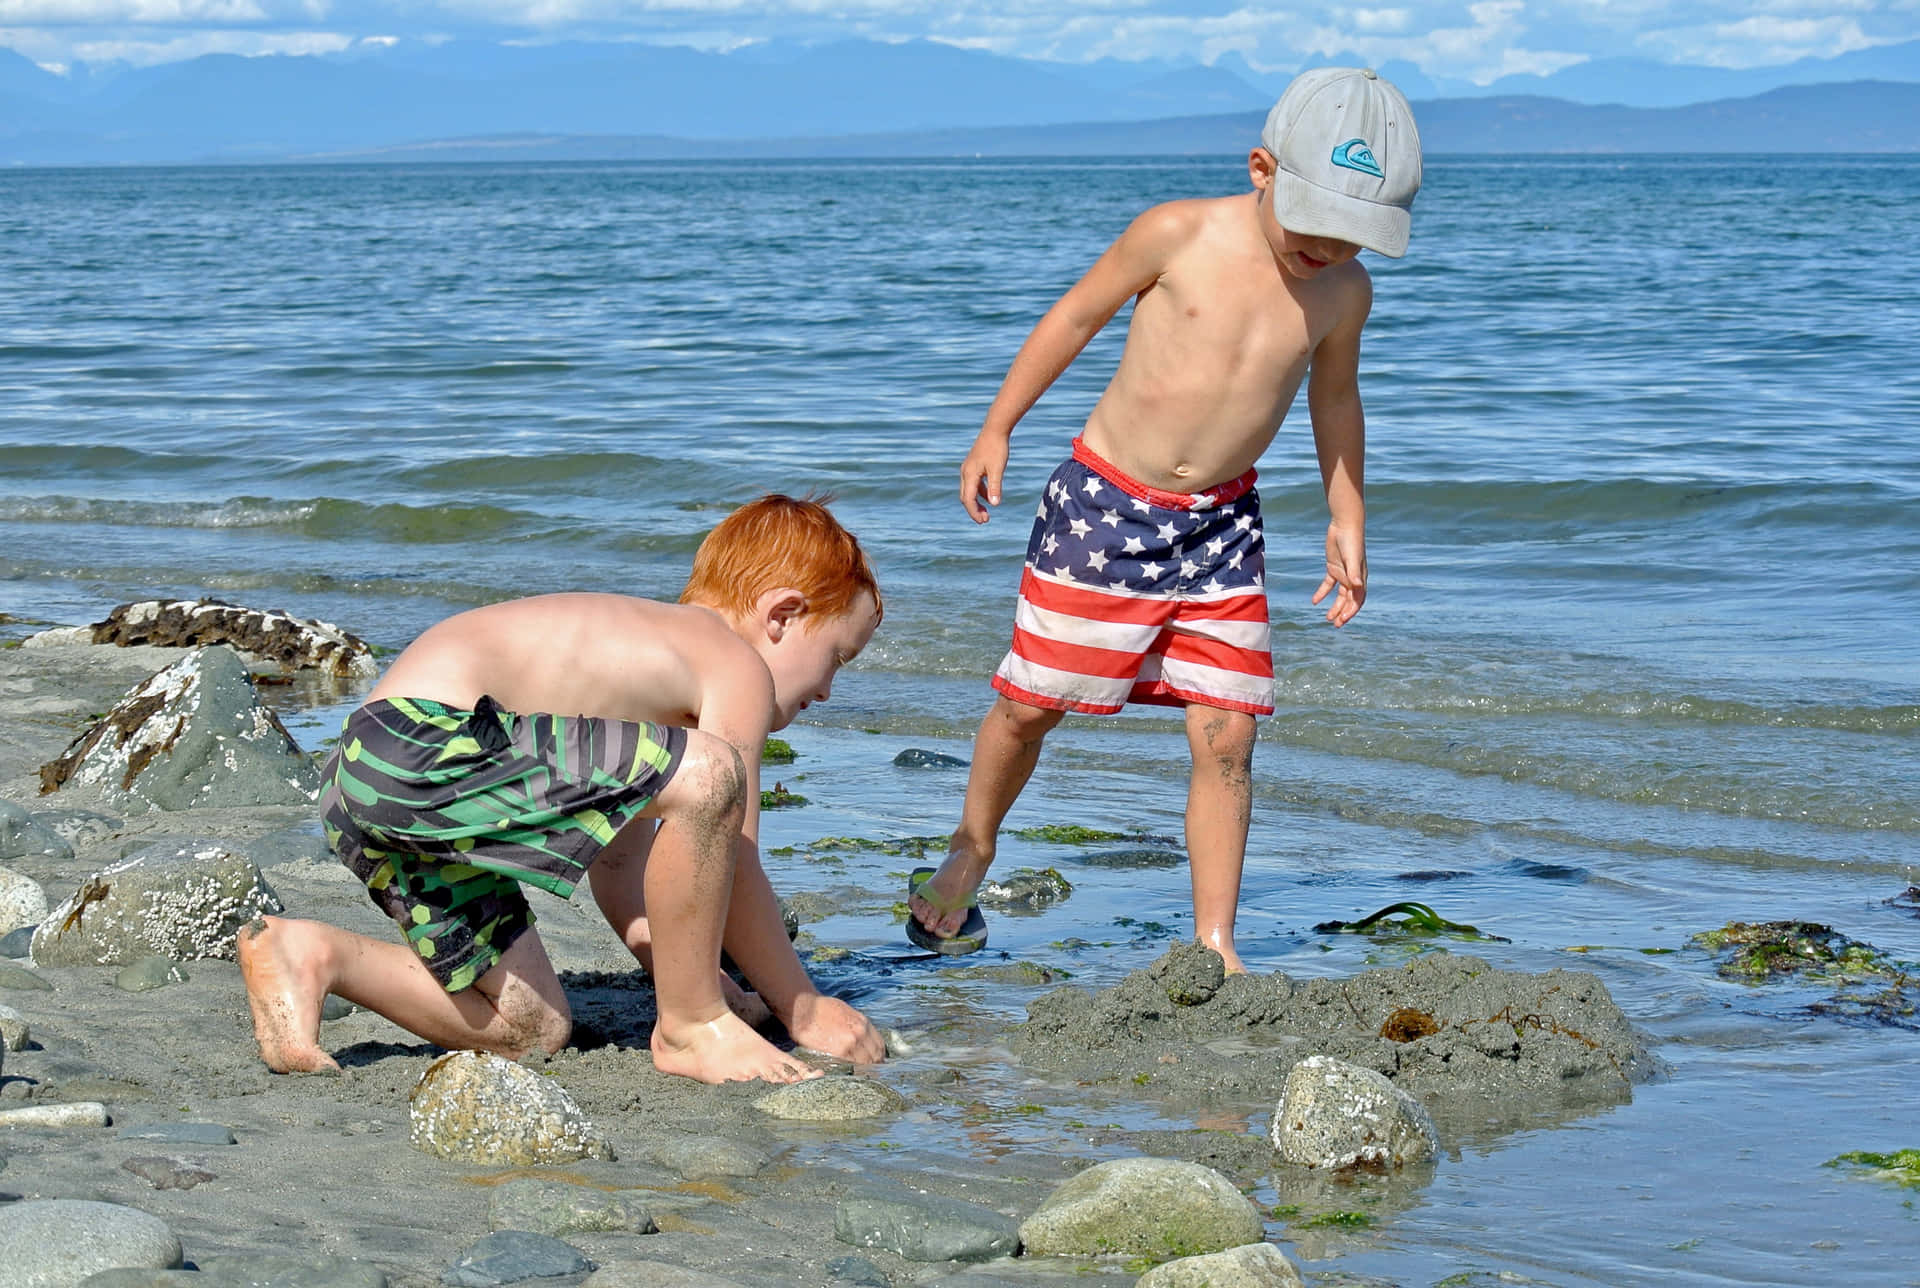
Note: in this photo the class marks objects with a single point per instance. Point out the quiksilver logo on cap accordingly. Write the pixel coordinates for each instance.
(1354, 154)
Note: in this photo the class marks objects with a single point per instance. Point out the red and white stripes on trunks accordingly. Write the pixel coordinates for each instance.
(1131, 594)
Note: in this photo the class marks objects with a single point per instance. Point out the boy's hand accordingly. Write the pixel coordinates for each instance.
(1347, 569)
(829, 1025)
(980, 475)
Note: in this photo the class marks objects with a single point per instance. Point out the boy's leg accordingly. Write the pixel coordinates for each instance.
(685, 886)
(1219, 808)
(290, 966)
(1005, 752)
(617, 881)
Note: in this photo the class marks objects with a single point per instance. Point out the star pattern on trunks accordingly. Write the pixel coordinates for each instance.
(1094, 533)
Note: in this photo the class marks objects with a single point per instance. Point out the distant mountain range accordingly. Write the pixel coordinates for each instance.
(467, 100)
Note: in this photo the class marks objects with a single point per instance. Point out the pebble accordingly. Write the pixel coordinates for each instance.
(469, 1107)
(19, 977)
(1155, 1207)
(509, 1256)
(920, 758)
(925, 1227)
(1253, 1265)
(13, 1029)
(17, 943)
(832, 1099)
(84, 1113)
(166, 1173)
(57, 1243)
(558, 1207)
(858, 1271)
(696, 1157)
(180, 1133)
(149, 972)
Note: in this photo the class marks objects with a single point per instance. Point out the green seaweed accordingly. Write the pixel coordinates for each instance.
(776, 751)
(780, 798)
(1069, 834)
(1415, 919)
(1338, 1220)
(1902, 1166)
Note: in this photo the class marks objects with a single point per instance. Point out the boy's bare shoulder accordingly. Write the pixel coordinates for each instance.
(1176, 222)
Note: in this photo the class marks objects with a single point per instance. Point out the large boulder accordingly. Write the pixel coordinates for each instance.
(192, 735)
(182, 901)
(470, 1107)
(56, 1243)
(293, 643)
(1155, 1207)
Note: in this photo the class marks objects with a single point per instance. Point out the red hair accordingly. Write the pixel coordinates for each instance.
(780, 541)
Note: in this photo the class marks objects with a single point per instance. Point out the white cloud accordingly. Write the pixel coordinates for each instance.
(249, 44)
(1759, 41)
(82, 13)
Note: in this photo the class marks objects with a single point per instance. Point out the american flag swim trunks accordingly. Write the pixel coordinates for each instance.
(1131, 594)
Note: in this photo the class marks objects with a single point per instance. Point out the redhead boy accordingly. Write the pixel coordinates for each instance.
(1144, 577)
(583, 736)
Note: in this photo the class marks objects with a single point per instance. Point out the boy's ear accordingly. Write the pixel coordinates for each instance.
(780, 609)
(1260, 167)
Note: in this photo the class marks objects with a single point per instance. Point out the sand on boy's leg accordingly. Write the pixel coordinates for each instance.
(1219, 812)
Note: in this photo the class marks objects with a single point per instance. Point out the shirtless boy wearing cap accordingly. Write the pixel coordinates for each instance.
(1144, 572)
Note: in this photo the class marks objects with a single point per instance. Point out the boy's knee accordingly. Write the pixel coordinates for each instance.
(1025, 722)
(1225, 737)
(712, 778)
(533, 1024)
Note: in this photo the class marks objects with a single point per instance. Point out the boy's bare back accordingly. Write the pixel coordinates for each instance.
(611, 656)
(1220, 340)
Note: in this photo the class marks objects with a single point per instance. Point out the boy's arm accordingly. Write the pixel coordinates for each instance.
(736, 703)
(1129, 266)
(1340, 440)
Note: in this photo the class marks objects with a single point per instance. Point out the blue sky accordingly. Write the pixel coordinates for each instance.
(1445, 38)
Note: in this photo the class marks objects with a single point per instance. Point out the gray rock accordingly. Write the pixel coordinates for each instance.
(1254, 1265)
(267, 636)
(182, 901)
(57, 1243)
(167, 1173)
(250, 1272)
(1153, 1207)
(22, 979)
(696, 1157)
(1334, 1114)
(858, 1271)
(22, 901)
(180, 1133)
(920, 758)
(78, 1113)
(144, 974)
(557, 1208)
(17, 943)
(509, 1256)
(13, 1029)
(191, 736)
(81, 828)
(655, 1274)
(832, 1099)
(470, 1107)
(1024, 888)
(23, 836)
(336, 1008)
(925, 1227)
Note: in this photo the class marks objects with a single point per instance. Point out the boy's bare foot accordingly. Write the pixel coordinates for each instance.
(940, 903)
(723, 1050)
(829, 1025)
(284, 990)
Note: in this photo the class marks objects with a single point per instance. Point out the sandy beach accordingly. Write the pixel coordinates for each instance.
(322, 1167)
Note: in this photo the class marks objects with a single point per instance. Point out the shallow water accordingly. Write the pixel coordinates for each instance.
(1641, 656)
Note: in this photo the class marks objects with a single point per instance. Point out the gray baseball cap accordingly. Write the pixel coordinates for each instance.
(1349, 157)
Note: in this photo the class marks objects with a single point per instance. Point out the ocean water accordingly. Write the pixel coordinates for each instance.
(1641, 653)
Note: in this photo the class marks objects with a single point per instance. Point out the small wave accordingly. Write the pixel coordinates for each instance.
(64, 460)
(320, 517)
